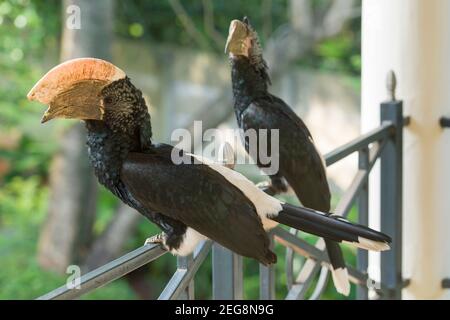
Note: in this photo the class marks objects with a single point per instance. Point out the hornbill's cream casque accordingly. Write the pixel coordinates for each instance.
(300, 164)
(189, 202)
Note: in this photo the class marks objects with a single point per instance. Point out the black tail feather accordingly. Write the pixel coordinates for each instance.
(338, 268)
(335, 254)
(332, 228)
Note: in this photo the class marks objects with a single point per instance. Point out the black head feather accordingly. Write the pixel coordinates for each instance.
(125, 110)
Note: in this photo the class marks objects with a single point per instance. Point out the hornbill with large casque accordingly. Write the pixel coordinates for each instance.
(189, 202)
(300, 164)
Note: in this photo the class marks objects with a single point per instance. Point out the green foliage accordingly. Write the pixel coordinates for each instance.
(22, 208)
(106, 206)
(341, 53)
(160, 24)
(25, 33)
(23, 204)
(26, 29)
(23, 197)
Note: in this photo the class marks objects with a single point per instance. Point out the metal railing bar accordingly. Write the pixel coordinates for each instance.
(171, 290)
(359, 181)
(321, 284)
(184, 263)
(267, 277)
(348, 198)
(227, 274)
(357, 276)
(308, 273)
(304, 280)
(107, 273)
(311, 265)
(299, 245)
(182, 277)
(375, 152)
(357, 144)
(391, 204)
(362, 256)
(289, 263)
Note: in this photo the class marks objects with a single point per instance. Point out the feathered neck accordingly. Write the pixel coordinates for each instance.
(247, 81)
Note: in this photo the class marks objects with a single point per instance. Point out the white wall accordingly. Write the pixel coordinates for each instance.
(412, 37)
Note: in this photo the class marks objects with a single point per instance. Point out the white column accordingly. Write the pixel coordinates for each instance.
(412, 37)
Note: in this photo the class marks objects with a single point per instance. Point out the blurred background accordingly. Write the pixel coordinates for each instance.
(54, 214)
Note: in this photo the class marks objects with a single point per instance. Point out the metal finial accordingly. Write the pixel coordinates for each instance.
(391, 84)
(226, 155)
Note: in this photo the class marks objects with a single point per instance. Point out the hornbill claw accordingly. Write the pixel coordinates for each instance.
(159, 238)
(267, 187)
(273, 187)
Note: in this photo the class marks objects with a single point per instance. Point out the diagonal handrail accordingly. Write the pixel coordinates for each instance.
(357, 144)
(107, 273)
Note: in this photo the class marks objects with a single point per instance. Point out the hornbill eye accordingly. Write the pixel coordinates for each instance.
(108, 100)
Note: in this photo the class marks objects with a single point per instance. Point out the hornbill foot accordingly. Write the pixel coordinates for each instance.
(274, 186)
(263, 184)
(159, 238)
(267, 187)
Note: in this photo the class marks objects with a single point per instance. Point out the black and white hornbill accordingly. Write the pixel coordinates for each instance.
(189, 202)
(300, 163)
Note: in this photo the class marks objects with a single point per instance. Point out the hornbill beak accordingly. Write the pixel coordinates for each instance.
(238, 41)
(72, 89)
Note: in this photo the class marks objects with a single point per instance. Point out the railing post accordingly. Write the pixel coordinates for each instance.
(391, 194)
(363, 218)
(267, 278)
(185, 263)
(227, 266)
(227, 274)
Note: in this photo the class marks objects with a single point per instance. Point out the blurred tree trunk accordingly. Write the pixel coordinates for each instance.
(110, 243)
(67, 232)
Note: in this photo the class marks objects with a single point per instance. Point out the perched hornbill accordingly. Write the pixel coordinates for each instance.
(189, 202)
(300, 164)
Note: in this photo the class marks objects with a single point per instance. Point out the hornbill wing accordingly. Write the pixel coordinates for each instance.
(199, 197)
(283, 108)
(300, 162)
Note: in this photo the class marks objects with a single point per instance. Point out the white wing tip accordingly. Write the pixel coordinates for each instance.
(368, 244)
(341, 280)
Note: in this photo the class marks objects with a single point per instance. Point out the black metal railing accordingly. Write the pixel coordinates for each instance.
(384, 143)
